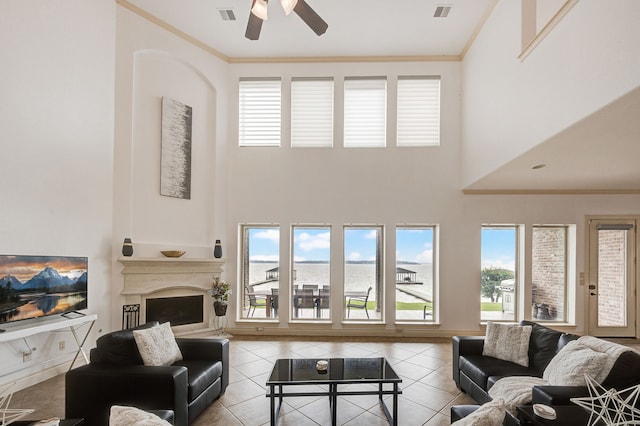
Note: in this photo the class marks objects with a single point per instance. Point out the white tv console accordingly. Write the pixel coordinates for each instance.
(55, 324)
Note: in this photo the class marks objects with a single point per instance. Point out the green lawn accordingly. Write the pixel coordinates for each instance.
(404, 306)
(488, 306)
(418, 306)
(412, 306)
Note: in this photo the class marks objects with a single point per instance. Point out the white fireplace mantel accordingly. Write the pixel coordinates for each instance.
(151, 277)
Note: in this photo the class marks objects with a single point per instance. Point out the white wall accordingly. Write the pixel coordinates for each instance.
(510, 105)
(152, 63)
(388, 186)
(57, 81)
(56, 115)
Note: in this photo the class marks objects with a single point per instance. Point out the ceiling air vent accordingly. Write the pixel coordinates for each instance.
(442, 11)
(227, 14)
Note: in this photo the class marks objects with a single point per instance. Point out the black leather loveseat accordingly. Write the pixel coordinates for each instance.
(475, 373)
(117, 376)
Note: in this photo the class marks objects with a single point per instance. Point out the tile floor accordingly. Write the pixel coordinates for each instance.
(425, 368)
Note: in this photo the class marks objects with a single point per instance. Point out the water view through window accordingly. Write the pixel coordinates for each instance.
(260, 271)
(414, 273)
(311, 284)
(363, 283)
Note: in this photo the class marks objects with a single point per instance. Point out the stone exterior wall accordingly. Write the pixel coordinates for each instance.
(611, 278)
(549, 273)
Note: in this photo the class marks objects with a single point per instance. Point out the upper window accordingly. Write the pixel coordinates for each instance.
(259, 114)
(499, 273)
(418, 111)
(365, 112)
(312, 112)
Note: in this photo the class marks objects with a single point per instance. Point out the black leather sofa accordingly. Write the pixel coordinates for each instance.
(116, 375)
(475, 373)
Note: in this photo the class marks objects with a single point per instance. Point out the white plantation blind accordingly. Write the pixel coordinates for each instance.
(365, 112)
(418, 111)
(312, 112)
(259, 115)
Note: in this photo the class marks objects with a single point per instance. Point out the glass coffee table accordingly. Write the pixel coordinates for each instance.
(340, 371)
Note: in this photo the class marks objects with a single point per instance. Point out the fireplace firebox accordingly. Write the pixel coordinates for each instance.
(177, 310)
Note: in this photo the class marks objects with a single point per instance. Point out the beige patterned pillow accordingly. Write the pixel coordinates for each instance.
(509, 342)
(127, 416)
(489, 414)
(157, 345)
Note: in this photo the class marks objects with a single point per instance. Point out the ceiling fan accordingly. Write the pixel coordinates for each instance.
(259, 14)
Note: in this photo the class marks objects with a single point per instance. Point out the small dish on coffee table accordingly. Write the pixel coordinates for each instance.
(544, 411)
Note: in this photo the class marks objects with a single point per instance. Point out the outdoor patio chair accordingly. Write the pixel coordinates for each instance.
(323, 300)
(255, 301)
(426, 313)
(275, 295)
(303, 299)
(358, 302)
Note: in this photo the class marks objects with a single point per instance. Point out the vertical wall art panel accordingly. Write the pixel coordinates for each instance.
(175, 168)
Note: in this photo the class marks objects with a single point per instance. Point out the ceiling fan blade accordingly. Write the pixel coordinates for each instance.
(310, 17)
(254, 25)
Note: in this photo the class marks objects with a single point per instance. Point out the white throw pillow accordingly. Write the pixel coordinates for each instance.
(573, 361)
(157, 345)
(509, 342)
(489, 414)
(127, 416)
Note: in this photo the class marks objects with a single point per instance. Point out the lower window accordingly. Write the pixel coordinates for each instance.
(498, 291)
(311, 275)
(363, 273)
(549, 273)
(260, 273)
(415, 273)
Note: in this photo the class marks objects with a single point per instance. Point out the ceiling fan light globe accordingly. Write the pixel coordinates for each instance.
(288, 5)
(260, 9)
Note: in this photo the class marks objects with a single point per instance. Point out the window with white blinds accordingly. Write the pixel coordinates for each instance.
(418, 111)
(259, 114)
(365, 112)
(312, 112)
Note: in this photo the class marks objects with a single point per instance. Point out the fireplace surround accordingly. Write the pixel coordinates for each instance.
(153, 278)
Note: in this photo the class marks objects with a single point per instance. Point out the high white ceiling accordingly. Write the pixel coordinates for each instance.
(577, 159)
(356, 27)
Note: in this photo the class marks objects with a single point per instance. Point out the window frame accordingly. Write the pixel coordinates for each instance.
(244, 272)
(566, 284)
(379, 289)
(257, 106)
(434, 272)
(314, 122)
(418, 111)
(293, 274)
(356, 111)
(518, 266)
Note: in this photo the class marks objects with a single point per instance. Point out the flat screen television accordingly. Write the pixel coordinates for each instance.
(38, 286)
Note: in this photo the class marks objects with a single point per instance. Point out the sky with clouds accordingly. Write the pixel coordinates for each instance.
(499, 248)
(412, 245)
(314, 244)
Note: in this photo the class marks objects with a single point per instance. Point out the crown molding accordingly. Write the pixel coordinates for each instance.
(478, 28)
(170, 28)
(307, 59)
(551, 191)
